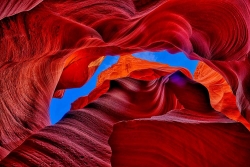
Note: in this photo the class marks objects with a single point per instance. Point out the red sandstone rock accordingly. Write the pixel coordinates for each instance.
(57, 45)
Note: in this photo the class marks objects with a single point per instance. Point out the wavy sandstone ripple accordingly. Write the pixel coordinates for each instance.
(54, 45)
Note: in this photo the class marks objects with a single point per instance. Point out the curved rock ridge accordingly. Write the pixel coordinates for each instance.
(127, 66)
(216, 32)
(81, 137)
(131, 66)
(221, 95)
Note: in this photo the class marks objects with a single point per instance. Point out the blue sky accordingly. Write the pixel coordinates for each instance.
(59, 107)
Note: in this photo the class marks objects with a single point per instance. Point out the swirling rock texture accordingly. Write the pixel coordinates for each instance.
(49, 46)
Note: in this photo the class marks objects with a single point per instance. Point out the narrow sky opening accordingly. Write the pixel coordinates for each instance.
(176, 60)
(58, 107)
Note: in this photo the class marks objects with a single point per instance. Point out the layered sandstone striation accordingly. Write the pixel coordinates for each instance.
(49, 46)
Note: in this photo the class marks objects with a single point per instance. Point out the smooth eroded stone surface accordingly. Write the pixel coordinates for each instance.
(180, 138)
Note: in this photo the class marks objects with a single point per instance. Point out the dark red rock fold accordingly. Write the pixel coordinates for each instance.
(180, 138)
